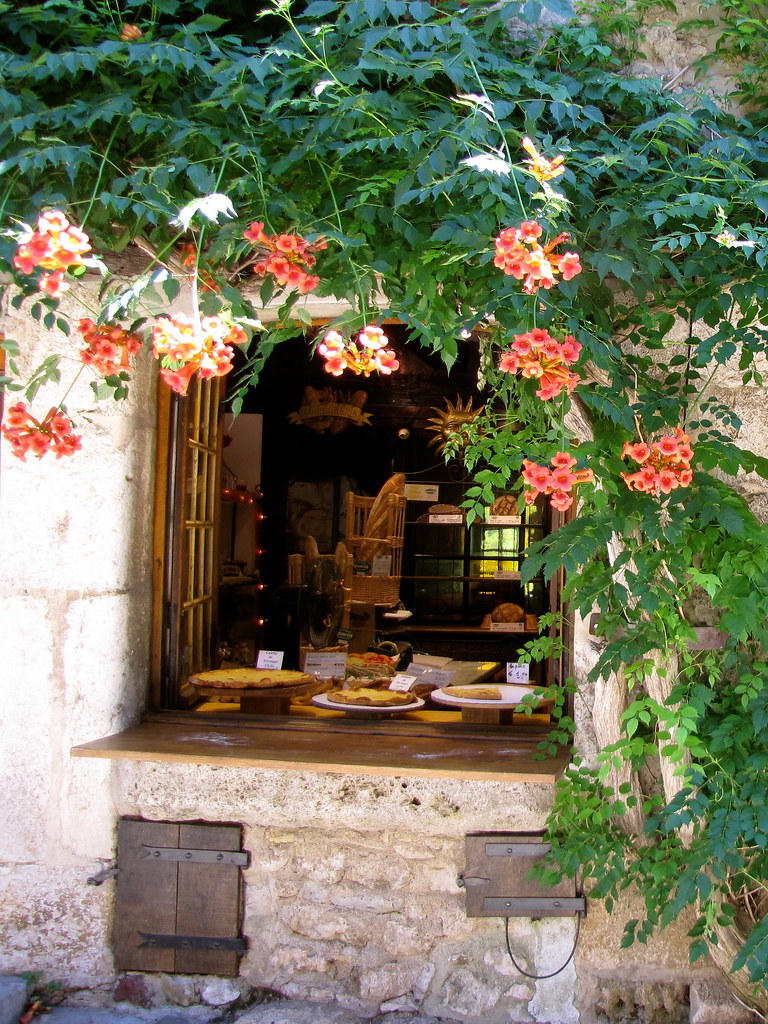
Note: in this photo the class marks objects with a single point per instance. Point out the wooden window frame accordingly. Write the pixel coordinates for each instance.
(171, 732)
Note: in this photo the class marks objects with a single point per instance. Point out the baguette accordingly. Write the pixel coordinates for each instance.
(376, 526)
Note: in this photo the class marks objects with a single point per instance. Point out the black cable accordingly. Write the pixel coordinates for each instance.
(542, 977)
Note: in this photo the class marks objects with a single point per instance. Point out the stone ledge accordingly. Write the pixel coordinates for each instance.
(713, 1003)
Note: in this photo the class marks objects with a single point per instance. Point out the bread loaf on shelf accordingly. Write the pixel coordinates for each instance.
(378, 518)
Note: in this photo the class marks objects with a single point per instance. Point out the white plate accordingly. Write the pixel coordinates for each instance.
(511, 696)
(321, 700)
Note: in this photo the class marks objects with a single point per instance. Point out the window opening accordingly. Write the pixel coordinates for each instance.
(454, 575)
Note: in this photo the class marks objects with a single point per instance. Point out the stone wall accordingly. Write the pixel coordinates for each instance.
(75, 592)
(352, 892)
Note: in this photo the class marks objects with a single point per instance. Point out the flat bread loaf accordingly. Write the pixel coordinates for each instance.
(508, 613)
(473, 692)
(250, 678)
(365, 696)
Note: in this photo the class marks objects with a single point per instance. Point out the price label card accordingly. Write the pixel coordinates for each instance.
(421, 492)
(417, 671)
(381, 565)
(452, 519)
(402, 682)
(438, 676)
(507, 627)
(504, 520)
(269, 659)
(506, 574)
(429, 661)
(517, 673)
(325, 666)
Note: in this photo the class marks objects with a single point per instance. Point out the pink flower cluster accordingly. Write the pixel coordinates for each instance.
(56, 246)
(539, 356)
(558, 481)
(187, 346)
(27, 435)
(109, 348)
(365, 353)
(520, 254)
(288, 259)
(665, 464)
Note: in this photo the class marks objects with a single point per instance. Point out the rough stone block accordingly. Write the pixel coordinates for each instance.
(298, 1012)
(13, 997)
(221, 991)
(395, 981)
(713, 1003)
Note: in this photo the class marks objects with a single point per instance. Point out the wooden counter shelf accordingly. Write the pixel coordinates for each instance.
(337, 745)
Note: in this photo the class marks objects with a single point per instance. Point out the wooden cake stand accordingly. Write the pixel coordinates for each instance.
(270, 700)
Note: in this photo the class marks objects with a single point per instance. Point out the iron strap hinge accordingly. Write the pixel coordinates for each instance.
(517, 849)
(535, 906)
(237, 857)
(233, 945)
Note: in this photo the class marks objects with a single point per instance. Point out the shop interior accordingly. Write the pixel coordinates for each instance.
(302, 465)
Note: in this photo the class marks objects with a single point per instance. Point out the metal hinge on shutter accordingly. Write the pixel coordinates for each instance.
(178, 897)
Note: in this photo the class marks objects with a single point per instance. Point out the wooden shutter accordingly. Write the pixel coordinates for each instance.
(178, 898)
(186, 539)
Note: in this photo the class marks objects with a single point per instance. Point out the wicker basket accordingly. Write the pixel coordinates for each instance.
(388, 542)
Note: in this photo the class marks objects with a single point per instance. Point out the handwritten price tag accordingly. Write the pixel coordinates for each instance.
(382, 565)
(519, 674)
(402, 682)
(269, 659)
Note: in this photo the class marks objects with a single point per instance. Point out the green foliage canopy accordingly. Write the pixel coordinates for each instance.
(394, 130)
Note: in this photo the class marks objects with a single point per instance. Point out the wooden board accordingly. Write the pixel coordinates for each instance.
(144, 901)
(268, 700)
(337, 746)
(208, 901)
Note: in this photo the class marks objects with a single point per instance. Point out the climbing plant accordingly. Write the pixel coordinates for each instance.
(463, 167)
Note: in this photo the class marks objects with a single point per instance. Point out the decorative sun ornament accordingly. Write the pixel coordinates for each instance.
(450, 420)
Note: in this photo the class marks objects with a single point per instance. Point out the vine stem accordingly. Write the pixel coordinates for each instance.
(354, 265)
(100, 173)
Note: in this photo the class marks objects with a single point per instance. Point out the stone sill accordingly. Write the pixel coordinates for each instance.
(423, 750)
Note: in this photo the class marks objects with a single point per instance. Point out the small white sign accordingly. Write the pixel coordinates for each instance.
(381, 565)
(506, 574)
(507, 627)
(270, 659)
(428, 674)
(421, 492)
(446, 518)
(325, 666)
(402, 682)
(517, 673)
(439, 676)
(429, 660)
(504, 520)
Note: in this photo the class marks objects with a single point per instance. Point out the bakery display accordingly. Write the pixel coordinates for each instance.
(474, 692)
(365, 696)
(250, 678)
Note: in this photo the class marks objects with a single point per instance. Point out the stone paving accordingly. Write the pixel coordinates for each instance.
(14, 995)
